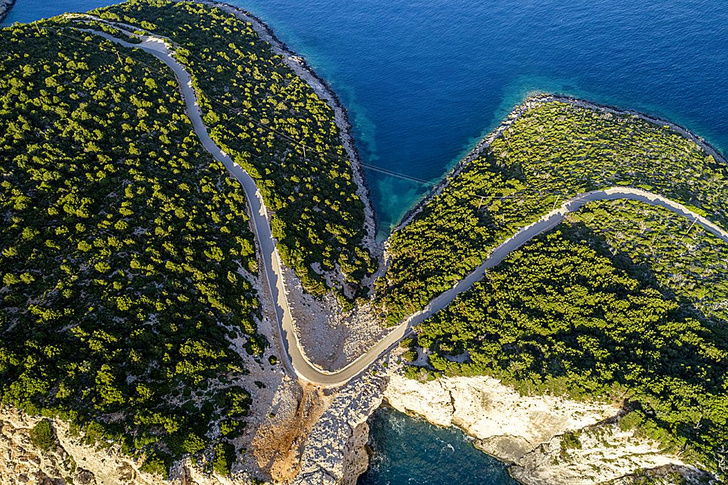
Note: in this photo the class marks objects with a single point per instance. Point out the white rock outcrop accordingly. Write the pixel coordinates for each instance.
(23, 462)
(508, 424)
(334, 451)
(526, 431)
(596, 455)
(70, 460)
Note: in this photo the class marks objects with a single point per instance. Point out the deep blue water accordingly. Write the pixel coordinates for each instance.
(423, 80)
(411, 451)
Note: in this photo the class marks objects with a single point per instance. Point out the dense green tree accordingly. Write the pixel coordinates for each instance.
(126, 253)
(565, 315)
(42, 435)
(275, 126)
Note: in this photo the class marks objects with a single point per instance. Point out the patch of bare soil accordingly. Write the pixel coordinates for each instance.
(278, 444)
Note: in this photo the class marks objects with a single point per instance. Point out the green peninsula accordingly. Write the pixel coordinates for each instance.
(130, 295)
(622, 302)
(550, 151)
(278, 129)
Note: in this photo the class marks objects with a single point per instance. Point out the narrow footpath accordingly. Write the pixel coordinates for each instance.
(296, 360)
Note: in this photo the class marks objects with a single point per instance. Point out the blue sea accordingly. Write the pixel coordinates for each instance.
(424, 80)
(409, 450)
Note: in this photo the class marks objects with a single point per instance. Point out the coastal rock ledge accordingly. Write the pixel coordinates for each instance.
(5, 6)
(545, 439)
(334, 453)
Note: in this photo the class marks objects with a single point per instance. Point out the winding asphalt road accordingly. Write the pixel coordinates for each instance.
(297, 361)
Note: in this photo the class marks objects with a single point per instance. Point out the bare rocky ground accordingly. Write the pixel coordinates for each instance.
(334, 452)
(604, 453)
(330, 337)
(67, 461)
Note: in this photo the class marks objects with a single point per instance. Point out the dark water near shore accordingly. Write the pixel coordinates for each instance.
(412, 451)
(424, 80)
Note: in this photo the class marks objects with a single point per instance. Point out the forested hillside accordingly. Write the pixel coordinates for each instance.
(273, 125)
(127, 259)
(670, 251)
(128, 266)
(625, 303)
(552, 152)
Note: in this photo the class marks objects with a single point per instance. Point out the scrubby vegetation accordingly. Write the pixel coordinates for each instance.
(551, 153)
(684, 259)
(273, 125)
(571, 315)
(127, 261)
(41, 435)
(126, 254)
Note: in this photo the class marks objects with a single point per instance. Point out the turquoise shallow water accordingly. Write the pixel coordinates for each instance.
(411, 451)
(424, 80)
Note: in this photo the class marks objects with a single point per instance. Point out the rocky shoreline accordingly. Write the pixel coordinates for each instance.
(527, 432)
(353, 330)
(532, 434)
(544, 439)
(5, 6)
(334, 453)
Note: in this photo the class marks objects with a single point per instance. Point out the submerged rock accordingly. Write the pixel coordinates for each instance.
(5, 6)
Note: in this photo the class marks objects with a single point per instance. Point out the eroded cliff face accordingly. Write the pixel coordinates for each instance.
(599, 454)
(547, 440)
(507, 424)
(334, 452)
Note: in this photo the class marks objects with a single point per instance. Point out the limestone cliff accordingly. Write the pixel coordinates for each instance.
(69, 460)
(547, 440)
(21, 461)
(334, 450)
(600, 454)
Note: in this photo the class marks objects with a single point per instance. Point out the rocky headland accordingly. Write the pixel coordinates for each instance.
(310, 435)
(545, 439)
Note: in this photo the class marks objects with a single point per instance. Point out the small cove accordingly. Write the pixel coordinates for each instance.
(408, 450)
